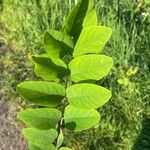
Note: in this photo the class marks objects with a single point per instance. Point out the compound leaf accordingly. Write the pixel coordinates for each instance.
(75, 20)
(39, 147)
(41, 93)
(49, 68)
(57, 44)
(90, 67)
(92, 39)
(42, 138)
(80, 119)
(42, 118)
(87, 96)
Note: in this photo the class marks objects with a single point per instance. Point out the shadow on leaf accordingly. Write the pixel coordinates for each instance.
(71, 125)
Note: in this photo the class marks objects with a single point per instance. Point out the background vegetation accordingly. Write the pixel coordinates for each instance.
(126, 117)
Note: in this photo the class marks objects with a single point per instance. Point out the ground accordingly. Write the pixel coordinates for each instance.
(11, 138)
(10, 128)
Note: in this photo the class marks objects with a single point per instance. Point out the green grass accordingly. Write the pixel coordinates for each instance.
(123, 117)
(23, 22)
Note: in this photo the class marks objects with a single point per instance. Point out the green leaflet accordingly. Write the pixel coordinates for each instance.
(43, 118)
(147, 2)
(87, 96)
(92, 39)
(65, 148)
(57, 44)
(90, 19)
(62, 37)
(39, 147)
(75, 20)
(40, 138)
(90, 67)
(80, 119)
(41, 93)
(49, 68)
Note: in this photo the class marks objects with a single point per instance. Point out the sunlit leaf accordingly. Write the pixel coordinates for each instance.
(39, 147)
(90, 67)
(87, 96)
(41, 93)
(90, 19)
(42, 118)
(57, 44)
(49, 68)
(80, 119)
(92, 39)
(65, 148)
(75, 20)
(43, 138)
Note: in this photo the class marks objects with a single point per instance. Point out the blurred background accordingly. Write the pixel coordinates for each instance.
(125, 119)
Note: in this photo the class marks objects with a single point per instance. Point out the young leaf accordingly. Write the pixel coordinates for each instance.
(80, 119)
(57, 44)
(87, 96)
(39, 147)
(90, 19)
(75, 20)
(65, 148)
(90, 67)
(62, 37)
(92, 39)
(43, 138)
(41, 93)
(42, 118)
(49, 68)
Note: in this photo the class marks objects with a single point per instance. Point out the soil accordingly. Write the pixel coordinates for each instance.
(10, 131)
(10, 128)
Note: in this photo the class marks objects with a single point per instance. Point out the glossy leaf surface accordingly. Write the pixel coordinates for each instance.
(90, 67)
(43, 138)
(42, 118)
(75, 20)
(87, 96)
(39, 147)
(90, 19)
(80, 119)
(49, 68)
(41, 93)
(92, 39)
(57, 44)
(65, 148)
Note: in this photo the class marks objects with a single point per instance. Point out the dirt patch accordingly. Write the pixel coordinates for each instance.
(10, 132)
(11, 72)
